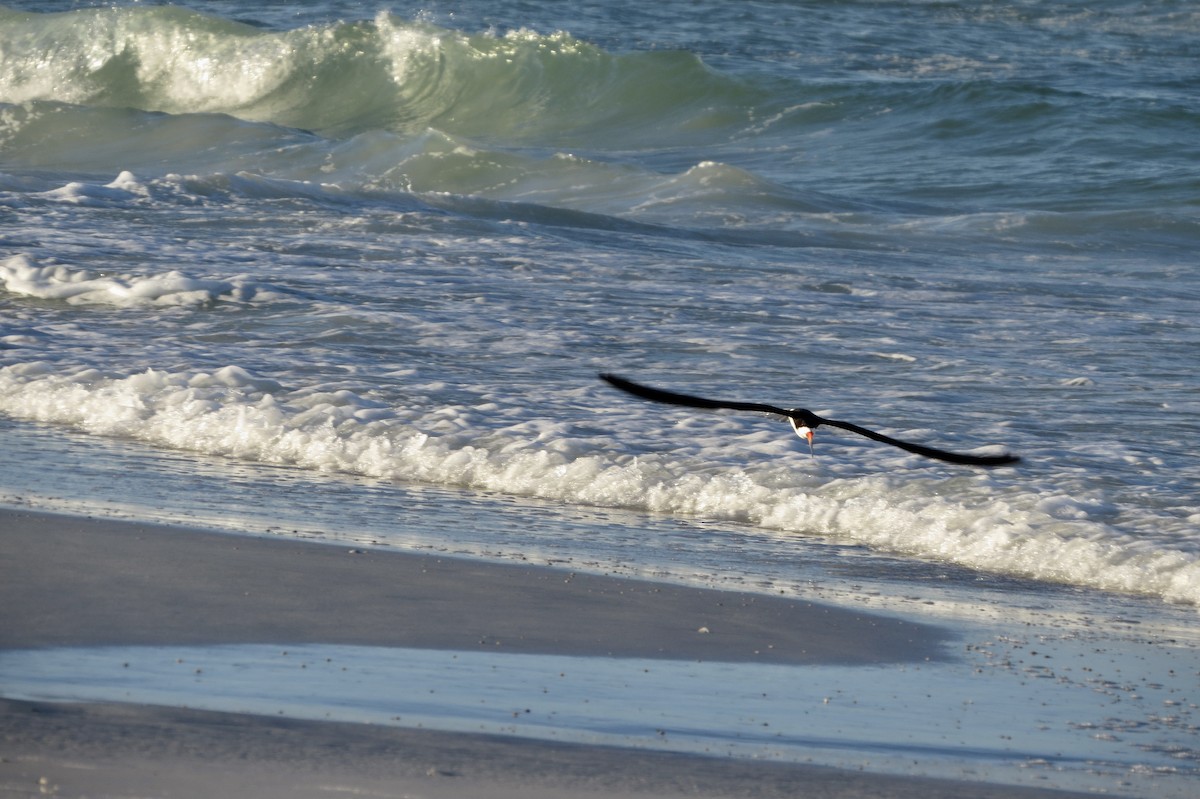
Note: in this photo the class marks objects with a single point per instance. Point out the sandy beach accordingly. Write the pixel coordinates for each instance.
(73, 581)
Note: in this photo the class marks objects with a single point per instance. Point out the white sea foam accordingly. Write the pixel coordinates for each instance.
(124, 188)
(231, 412)
(21, 275)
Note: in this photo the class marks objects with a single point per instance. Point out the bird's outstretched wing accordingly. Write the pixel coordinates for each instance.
(929, 452)
(806, 417)
(687, 400)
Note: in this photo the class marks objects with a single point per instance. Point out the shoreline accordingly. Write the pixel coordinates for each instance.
(81, 582)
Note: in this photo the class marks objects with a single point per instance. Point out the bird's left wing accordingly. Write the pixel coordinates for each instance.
(687, 400)
(928, 452)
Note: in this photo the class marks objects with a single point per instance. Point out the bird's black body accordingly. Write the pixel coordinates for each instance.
(806, 418)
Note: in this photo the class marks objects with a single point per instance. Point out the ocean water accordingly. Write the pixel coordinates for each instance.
(399, 242)
(348, 271)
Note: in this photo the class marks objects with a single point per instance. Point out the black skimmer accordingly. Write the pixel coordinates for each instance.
(804, 422)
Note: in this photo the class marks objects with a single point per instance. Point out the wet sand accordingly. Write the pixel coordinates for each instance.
(73, 581)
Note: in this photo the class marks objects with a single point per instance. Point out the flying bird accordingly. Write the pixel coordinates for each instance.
(804, 422)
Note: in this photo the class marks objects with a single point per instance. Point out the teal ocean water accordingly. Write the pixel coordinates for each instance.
(349, 271)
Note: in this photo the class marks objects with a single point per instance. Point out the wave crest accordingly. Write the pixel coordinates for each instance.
(351, 77)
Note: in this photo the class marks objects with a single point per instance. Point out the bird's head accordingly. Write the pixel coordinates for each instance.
(803, 423)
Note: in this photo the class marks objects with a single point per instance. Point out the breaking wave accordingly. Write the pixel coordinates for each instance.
(349, 77)
(232, 412)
